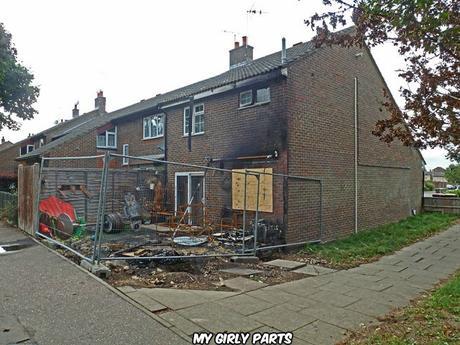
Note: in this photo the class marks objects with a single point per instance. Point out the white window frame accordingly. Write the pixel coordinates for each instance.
(149, 118)
(243, 105)
(125, 153)
(189, 187)
(41, 142)
(195, 114)
(29, 148)
(107, 133)
(269, 95)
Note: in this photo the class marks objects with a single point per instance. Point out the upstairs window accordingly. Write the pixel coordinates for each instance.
(107, 139)
(41, 142)
(254, 97)
(26, 149)
(245, 98)
(153, 126)
(197, 119)
(263, 95)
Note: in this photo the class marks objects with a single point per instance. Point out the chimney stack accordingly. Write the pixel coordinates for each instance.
(75, 111)
(3, 140)
(241, 55)
(99, 101)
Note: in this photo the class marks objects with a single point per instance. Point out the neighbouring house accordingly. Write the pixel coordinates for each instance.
(11, 153)
(301, 111)
(437, 176)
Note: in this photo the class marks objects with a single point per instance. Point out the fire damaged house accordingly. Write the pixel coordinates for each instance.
(301, 117)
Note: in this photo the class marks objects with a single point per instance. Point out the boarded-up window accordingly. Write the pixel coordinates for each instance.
(265, 190)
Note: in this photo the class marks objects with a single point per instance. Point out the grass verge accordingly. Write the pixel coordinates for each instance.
(434, 319)
(369, 245)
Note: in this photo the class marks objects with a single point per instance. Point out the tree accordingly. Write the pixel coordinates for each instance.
(452, 174)
(427, 34)
(17, 94)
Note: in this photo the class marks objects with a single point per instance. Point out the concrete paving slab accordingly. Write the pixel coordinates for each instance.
(126, 289)
(370, 307)
(339, 317)
(333, 298)
(172, 298)
(217, 318)
(282, 318)
(285, 264)
(147, 302)
(180, 322)
(314, 270)
(245, 304)
(243, 284)
(240, 271)
(320, 333)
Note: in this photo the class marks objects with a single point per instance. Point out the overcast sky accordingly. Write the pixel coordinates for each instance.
(133, 50)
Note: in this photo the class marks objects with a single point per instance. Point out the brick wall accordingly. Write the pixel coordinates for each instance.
(321, 144)
(231, 132)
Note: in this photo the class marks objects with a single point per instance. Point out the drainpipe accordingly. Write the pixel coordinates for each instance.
(356, 152)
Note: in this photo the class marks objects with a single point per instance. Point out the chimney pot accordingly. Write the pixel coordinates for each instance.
(3, 140)
(283, 51)
(241, 55)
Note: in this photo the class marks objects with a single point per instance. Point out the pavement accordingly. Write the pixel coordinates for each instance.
(320, 309)
(47, 300)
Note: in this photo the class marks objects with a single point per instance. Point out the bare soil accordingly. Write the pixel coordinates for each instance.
(196, 274)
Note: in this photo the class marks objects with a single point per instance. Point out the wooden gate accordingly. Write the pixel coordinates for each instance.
(28, 179)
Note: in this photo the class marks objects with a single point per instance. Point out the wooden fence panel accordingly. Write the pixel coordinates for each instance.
(27, 197)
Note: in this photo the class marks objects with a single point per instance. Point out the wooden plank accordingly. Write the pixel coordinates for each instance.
(265, 190)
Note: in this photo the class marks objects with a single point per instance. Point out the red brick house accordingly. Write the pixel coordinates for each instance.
(11, 153)
(301, 111)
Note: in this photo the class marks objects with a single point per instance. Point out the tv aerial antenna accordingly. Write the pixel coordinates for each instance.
(252, 11)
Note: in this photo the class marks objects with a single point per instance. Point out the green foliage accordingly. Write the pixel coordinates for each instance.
(10, 213)
(431, 320)
(17, 94)
(371, 244)
(452, 174)
(429, 186)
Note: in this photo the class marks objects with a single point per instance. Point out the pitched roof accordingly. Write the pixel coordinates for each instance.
(254, 68)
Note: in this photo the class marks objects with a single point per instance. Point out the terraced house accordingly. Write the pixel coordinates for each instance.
(301, 111)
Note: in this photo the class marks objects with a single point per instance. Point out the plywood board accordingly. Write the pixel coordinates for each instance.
(265, 190)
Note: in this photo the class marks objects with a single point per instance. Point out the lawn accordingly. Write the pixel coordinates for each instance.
(369, 245)
(434, 319)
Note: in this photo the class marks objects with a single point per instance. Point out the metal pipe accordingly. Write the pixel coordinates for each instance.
(256, 225)
(244, 211)
(99, 210)
(283, 51)
(321, 211)
(356, 152)
(64, 246)
(37, 199)
(104, 198)
(249, 172)
(70, 158)
(187, 257)
(288, 245)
